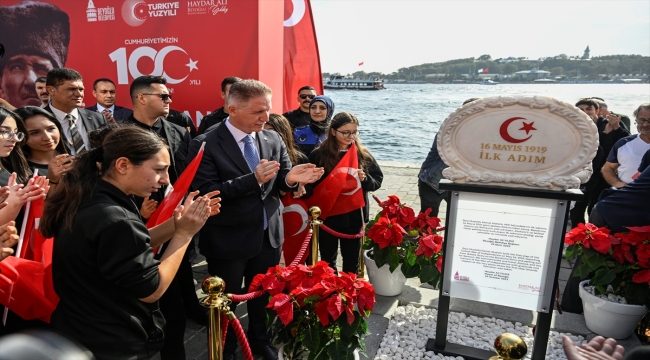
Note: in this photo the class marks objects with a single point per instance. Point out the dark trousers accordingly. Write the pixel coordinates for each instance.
(430, 198)
(328, 246)
(186, 284)
(233, 272)
(571, 301)
(171, 305)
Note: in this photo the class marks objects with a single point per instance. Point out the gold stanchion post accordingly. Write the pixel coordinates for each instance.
(314, 211)
(362, 264)
(217, 303)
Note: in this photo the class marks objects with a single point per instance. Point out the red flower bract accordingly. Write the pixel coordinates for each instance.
(386, 232)
(642, 276)
(424, 220)
(429, 245)
(281, 304)
(439, 264)
(394, 209)
(590, 236)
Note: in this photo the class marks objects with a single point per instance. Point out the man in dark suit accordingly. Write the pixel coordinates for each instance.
(104, 92)
(66, 89)
(250, 167)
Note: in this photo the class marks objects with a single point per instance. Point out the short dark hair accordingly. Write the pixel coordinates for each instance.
(306, 87)
(588, 102)
(247, 89)
(56, 77)
(143, 83)
(229, 81)
(42, 79)
(597, 98)
(644, 106)
(102, 80)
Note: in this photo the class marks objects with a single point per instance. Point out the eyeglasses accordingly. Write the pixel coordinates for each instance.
(642, 121)
(8, 135)
(304, 96)
(163, 97)
(348, 134)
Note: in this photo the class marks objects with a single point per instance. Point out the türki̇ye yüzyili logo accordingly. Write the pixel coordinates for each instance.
(136, 12)
(526, 126)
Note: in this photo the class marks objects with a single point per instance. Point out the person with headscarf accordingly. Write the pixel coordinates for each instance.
(308, 137)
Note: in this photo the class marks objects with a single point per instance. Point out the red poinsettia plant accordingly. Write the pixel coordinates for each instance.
(620, 260)
(397, 236)
(312, 309)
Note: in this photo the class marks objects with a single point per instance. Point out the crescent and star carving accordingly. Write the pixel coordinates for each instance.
(503, 130)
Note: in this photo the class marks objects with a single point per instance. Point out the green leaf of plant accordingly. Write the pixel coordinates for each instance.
(582, 271)
(595, 262)
(311, 338)
(428, 273)
(348, 331)
(423, 261)
(338, 350)
(393, 261)
(379, 256)
(411, 271)
(600, 289)
(410, 256)
(569, 253)
(603, 277)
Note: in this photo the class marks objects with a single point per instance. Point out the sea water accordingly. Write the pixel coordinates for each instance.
(399, 123)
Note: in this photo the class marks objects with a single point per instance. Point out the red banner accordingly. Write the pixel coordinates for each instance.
(301, 58)
(193, 43)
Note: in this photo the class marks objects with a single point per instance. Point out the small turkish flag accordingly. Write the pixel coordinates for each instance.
(361, 63)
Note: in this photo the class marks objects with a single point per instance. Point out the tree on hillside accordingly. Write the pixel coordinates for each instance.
(484, 58)
(558, 70)
(508, 68)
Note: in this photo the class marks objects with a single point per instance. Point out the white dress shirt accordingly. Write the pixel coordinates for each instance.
(101, 108)
(60, 115)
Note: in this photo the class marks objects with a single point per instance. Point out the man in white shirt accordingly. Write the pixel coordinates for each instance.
(66, 90)
(625, 156)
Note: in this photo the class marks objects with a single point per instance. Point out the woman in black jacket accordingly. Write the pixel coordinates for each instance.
(103, 265)
(343, 131)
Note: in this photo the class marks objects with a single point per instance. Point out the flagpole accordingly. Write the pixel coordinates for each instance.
(23, 226)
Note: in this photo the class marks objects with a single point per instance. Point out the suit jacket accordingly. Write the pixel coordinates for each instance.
(120, 113)
(91, 120)
(238, 231)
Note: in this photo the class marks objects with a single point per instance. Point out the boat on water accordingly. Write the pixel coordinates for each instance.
(488, 82)
(343, 83)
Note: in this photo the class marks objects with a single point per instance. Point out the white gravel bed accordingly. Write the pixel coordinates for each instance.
(608, 295)
(411, 327)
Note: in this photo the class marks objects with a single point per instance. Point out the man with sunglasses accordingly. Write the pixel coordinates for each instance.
(66, 89)
(300, 116)
(151, 101)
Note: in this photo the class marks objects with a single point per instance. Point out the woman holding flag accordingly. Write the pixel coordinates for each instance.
(344, 210)
(103, 265)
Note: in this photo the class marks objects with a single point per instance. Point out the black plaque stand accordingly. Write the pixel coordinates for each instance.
(439, 344)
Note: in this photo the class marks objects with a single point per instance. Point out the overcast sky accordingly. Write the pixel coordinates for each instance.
(389, 34)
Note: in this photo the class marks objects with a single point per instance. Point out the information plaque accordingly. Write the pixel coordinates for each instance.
(502, 249)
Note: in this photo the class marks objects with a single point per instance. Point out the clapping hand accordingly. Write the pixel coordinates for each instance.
(148, 207)
(266, 170)
(8, 238)
(597, 349)
(190, 219)
(613, 123)
(215, 206)
(305, 174)
(18, 194)
(109, 116)
(59, 165)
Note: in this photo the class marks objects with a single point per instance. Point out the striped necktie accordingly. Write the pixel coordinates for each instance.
(76, 141)
(252, 158)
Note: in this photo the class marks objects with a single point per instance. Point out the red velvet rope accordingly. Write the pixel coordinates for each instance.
(299, 259)
(342, 235)
(239, 331)
(224, 326)
(301, 255)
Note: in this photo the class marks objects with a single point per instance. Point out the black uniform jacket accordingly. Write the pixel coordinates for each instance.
(100, 270)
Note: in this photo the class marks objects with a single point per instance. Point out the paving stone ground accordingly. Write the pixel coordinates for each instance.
(400, 179)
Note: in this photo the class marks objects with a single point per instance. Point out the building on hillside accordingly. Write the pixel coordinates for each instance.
(585, 56)
(533, 74)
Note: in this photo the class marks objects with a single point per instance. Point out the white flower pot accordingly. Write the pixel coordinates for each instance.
(281, 355)
(610, 319)
(384, 282)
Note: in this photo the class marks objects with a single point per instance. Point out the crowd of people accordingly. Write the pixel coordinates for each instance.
(103, 171)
